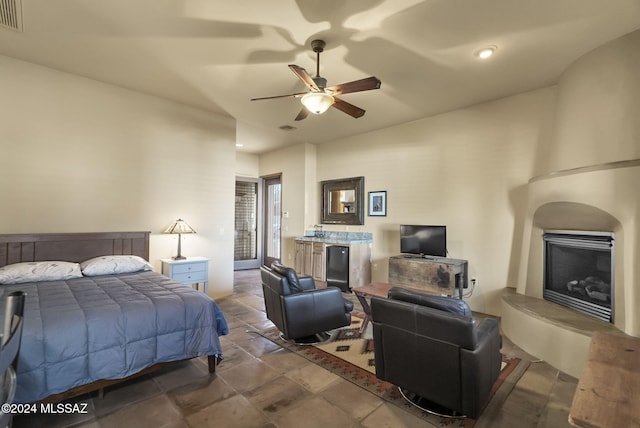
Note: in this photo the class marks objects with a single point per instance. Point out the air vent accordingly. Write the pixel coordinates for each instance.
(11, 14)
(287, 127)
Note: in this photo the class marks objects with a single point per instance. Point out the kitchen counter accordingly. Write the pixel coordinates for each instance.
(314, 256)
(345, 238)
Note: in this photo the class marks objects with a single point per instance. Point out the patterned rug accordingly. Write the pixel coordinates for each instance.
(349, 354)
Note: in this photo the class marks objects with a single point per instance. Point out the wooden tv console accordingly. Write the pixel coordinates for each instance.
(435, 274)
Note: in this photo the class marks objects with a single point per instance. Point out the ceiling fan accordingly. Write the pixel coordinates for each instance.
(320, 97)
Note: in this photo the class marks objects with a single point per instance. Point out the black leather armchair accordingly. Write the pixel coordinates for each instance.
(432, 349)
(299, 310)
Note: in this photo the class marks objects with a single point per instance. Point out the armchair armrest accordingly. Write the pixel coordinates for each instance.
(480, 367)
(488, 343)
(307, 283)
(489, 328)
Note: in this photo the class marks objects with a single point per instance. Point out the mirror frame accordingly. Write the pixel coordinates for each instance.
(328, 186)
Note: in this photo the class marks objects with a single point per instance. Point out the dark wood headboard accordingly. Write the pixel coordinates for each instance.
(71, 247)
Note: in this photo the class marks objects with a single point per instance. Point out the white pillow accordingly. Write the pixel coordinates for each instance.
(39, 271)
(107, 265)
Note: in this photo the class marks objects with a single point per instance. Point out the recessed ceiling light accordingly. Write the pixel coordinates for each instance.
(485, 53)
(239, 145)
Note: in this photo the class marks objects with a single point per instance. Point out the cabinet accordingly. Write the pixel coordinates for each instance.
(191, 271)
(439, 274)
(318, 264)
(299, 257)
(307, 267)
(304, 264)
(311, 259)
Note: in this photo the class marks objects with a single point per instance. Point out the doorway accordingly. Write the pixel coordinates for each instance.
(247, 239)
(272, 218)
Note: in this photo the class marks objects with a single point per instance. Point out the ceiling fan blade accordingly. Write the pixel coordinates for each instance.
(303, 114)
(298, 94)
(304, 76)
(348, 108)
(356, 86)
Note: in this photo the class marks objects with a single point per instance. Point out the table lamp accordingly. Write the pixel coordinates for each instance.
(179, 226)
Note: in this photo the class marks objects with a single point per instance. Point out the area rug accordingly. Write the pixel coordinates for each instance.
(349, 354)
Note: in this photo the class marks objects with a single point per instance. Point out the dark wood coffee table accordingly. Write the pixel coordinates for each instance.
(378, 289)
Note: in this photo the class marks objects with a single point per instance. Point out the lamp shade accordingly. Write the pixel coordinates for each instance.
(317, 102)
(179, 226)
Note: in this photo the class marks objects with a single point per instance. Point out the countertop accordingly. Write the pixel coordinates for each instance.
(346, 238)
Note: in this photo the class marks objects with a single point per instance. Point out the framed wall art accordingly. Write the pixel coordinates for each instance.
(378, 203)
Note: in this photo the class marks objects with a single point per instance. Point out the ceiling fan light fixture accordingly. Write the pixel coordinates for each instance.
(317, 102)
(487, 52)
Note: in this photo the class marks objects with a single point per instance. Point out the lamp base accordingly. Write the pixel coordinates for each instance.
(179, 258)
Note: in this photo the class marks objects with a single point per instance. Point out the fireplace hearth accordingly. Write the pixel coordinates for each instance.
(578, 271)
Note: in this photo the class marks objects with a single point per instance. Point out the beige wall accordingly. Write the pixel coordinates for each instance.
(466, 169)
(463, 169)
(470, 168)
(593, 160)
(297, 164)
(587, 180)
(598, 108)
(78, 155)
(247, 165)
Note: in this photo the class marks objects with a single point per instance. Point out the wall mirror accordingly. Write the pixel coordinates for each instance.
(343, 201)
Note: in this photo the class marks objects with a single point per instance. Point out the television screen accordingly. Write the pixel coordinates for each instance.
(423, 240)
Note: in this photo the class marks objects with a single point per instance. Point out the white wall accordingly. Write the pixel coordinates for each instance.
(77, 155)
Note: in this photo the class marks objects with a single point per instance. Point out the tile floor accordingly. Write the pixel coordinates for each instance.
(260, 384)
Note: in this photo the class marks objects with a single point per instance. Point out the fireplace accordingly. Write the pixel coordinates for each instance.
(578, 271)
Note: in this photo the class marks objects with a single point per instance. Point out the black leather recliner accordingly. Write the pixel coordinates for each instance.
(430, 347)
(297, 308)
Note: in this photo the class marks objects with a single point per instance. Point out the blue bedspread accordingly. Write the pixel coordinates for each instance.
(108, 327)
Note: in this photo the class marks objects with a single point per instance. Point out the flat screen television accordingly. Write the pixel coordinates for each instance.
(423, 240)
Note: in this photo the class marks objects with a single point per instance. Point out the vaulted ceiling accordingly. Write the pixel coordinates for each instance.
(218, 54)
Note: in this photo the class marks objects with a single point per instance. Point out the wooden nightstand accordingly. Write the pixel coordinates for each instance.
(192, 270)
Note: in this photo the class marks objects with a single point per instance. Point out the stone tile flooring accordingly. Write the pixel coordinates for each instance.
(260, 384)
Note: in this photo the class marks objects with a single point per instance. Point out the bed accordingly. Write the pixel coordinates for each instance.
(86, 332)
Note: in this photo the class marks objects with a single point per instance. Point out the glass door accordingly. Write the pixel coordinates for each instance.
(272, 218)
(247, 250)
